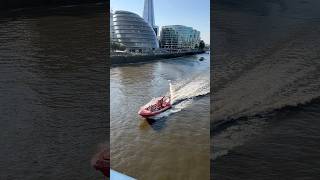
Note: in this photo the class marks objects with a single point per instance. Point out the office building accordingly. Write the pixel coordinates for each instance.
(178, 38)
(148, 15)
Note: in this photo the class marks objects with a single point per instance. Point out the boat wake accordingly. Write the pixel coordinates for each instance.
(252, 89)
(184, 92)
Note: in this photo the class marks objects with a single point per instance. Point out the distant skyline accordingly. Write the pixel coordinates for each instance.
(192, 13)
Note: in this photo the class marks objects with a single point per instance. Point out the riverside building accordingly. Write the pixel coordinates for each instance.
(179, 38)
(133, 32)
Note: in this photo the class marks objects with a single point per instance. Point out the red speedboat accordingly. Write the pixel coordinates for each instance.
(155, 106)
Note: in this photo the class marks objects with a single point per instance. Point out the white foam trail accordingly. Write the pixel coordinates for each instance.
(171, 91)
(182, 93)
(197, 86)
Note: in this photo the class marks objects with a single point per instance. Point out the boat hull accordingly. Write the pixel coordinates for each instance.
(147, 113)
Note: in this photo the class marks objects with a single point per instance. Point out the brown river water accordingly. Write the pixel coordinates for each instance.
(174, 145)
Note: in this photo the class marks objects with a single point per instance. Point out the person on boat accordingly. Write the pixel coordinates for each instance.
(159, 103)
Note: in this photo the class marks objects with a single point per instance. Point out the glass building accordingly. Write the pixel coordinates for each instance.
(178, 38)
(148, 15)
(111, 26)
(133, 32)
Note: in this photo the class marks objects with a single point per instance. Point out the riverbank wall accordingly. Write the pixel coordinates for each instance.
(118, 60)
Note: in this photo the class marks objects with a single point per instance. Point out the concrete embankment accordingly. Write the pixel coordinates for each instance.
(117, 60)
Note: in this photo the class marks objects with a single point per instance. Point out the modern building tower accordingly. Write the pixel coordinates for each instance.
(148, 15)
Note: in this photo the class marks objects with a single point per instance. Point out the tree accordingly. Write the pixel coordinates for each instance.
(201, 45)
(122, 47)
(114, 46)
(117, 46)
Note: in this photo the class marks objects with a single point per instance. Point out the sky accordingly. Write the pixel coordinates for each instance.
(192, 13)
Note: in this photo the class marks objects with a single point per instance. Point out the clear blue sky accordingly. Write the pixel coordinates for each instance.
(193, 13)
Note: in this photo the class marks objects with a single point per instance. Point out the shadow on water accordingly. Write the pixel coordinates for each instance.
(155, 124)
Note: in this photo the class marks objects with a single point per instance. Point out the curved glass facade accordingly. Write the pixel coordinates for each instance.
(133, 32)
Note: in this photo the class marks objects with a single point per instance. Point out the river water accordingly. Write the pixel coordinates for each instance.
(52, 92)
(266, 89)
(174, 145)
